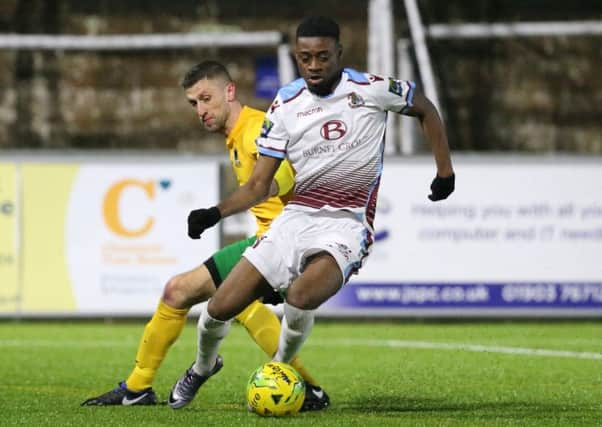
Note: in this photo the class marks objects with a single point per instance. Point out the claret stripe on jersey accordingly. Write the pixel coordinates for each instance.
(319, 197)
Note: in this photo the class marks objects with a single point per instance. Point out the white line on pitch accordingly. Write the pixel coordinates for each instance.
(351, 342)
(335, 342)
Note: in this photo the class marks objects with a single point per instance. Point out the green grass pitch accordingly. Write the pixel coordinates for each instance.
(377, 374)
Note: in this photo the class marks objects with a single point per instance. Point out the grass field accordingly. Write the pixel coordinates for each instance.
(377, 374)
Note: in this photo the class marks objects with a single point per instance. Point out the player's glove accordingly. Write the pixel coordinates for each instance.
(201, 219)
(442, 187)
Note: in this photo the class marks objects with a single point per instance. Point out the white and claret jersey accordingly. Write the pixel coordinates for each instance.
(335, 143)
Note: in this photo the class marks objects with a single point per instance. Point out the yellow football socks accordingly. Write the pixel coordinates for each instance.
(263, 326)
(167, 323)
(159, 334)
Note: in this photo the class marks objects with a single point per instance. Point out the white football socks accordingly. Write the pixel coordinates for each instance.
(296, 326)
(210, 334)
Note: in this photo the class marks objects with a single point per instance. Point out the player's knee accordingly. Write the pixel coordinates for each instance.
(179, 293)
(173, 292)
(301, 300)
(217, 309)
(207, 322)
(187, 289)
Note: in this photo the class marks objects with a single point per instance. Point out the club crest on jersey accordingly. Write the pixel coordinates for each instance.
(396, 86)
(354, 100)
(266, 127)
(333, 130)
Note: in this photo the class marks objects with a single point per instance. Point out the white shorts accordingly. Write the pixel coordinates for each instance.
(280, 254)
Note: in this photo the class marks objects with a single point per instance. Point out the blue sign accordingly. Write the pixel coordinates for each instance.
(468, 295)
(267, 81)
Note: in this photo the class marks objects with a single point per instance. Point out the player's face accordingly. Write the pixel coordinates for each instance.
(209, 98)
(319, 62)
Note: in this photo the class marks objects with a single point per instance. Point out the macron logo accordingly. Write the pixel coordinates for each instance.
(309, 112)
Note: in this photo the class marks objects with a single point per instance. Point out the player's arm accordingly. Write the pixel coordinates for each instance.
(284, 179)
(401, 96)
(434, 132)
(256, 189)
(271, 146)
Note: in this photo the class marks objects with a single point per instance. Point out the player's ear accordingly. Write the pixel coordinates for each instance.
(230, 92)
(339, 50)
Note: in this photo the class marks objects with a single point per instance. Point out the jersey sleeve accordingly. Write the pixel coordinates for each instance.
(274, 137)
(393, 94)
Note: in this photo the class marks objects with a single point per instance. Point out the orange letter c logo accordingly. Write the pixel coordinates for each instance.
(110, 207)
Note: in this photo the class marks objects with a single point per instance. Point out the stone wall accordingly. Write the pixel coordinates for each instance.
(534, 95)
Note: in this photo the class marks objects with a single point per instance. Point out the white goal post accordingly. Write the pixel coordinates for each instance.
(514, 29)
(286, 68)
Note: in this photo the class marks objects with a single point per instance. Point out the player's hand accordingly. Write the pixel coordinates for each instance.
(442, 187)
(201, 219)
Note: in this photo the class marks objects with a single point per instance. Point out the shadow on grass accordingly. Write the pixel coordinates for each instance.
(390, 402)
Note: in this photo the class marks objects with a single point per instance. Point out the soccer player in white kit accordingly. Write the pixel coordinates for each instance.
(330, 125)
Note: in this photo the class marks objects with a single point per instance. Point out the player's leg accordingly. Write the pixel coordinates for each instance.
(332, 247)
(180, 293)
(241, 287)
(260, 322)
(264, 327)
(320, 279)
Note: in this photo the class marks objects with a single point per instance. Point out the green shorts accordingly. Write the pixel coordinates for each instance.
(223, 261)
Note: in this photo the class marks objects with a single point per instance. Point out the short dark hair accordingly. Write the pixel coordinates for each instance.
(205, 70)
(318, 26)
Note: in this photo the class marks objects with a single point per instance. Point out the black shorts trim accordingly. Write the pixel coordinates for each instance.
(212, 267)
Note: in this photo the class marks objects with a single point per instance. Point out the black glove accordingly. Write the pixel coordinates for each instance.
(442, 187)
(201, 219)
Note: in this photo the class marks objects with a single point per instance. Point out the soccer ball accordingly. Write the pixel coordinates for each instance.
(275, 389)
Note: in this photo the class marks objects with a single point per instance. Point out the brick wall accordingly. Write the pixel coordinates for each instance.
(534, 95)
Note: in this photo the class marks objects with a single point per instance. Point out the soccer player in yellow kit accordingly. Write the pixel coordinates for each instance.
(211, 91)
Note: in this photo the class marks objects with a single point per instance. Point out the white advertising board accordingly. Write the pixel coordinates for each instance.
(515, 236)
(519, 237)
(126, 232)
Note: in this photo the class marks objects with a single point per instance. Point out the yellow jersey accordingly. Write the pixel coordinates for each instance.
(243, 155)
